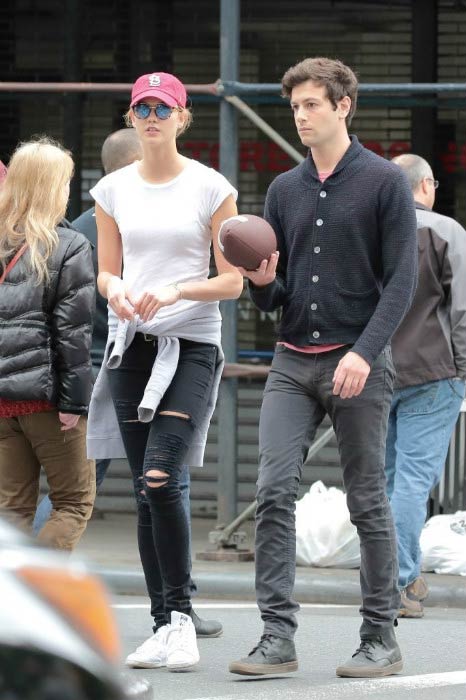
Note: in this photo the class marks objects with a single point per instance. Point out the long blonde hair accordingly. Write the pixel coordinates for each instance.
(33, 199)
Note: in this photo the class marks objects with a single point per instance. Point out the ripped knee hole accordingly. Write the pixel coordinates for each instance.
(156, 479)
(177, 414)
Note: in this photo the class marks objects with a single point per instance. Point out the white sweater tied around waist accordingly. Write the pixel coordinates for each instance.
(199, 323)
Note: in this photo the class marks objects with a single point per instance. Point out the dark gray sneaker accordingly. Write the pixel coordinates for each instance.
(272, 655)
(377, 655)
(206, 628)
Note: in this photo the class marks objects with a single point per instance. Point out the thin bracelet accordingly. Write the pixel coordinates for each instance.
(180, 293)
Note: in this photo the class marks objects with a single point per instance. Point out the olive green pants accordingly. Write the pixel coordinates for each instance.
(26, 444)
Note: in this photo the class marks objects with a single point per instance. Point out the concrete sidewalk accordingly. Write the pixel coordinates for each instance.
(109, 544)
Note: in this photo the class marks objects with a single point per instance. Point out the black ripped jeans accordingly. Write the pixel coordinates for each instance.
(162, 445)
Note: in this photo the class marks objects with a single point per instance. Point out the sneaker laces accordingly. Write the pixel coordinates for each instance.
(264, 642)
(367, 647)
(182, 640)
(149, 643)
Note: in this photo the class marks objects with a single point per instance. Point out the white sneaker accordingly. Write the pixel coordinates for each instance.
(182, 651)
(152, 653)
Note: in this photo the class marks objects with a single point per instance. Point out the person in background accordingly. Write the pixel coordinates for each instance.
(157, 220)
(47, 297)
(121, 148)
(429, 353)
(345, 275)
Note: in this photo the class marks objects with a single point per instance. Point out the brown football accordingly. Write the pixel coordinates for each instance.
(246, 240)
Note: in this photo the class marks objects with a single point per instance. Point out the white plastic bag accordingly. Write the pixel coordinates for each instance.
(443, 544)
(325, 535)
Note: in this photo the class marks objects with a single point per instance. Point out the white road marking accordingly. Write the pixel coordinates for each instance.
(367, 686)
(227, 606)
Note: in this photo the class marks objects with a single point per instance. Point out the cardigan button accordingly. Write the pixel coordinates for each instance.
(315, 278)
(316, 334)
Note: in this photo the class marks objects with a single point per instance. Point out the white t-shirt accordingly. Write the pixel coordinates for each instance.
(165, 229)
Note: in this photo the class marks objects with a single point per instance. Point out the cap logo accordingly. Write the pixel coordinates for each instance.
(154, 80)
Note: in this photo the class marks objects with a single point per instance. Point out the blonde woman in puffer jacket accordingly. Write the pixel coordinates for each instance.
(47, 292)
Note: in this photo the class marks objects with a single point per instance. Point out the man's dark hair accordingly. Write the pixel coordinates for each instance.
(337, 78)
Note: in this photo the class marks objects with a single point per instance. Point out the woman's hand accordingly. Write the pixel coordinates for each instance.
(119, 299)
(151, 302)
(68, 420)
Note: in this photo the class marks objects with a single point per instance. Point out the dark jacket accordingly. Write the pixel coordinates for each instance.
(348, 255)
(430, 343)
(45, 330)
(86, 224)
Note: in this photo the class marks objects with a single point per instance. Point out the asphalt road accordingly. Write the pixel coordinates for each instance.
(434, 651)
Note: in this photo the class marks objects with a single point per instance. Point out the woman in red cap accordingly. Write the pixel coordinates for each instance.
(157, 220)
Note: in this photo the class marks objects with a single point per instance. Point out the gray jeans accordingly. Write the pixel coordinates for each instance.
(297, 395)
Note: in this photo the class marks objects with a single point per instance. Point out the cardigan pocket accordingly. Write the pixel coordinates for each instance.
(356, 307)
(358, 293)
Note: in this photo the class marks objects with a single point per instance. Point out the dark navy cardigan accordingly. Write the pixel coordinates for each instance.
(348, 252)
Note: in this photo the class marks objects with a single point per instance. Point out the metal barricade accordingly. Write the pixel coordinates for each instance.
(450, 494)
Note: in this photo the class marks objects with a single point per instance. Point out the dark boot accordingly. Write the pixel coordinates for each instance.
(378, 655)
(206, 628)
(272, 655)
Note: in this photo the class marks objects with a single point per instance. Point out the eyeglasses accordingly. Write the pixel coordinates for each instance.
(435, 183)
(161, 110)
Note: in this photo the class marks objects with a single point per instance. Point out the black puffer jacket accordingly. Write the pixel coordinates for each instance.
(46, 330)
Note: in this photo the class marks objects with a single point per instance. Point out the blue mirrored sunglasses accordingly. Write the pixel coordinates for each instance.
(162, 111)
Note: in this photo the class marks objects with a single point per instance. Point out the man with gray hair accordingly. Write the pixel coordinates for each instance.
(429, 354)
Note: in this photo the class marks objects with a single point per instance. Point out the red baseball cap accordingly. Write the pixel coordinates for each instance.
(163, 86)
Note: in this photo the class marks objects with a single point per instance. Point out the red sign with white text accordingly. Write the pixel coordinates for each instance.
(268, 157)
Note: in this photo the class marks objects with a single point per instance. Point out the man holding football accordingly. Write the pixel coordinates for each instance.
(344, 275)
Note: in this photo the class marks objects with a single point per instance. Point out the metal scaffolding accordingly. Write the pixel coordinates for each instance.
(228, 91)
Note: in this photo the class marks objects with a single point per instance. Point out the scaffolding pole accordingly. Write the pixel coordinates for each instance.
(227, 481)
(265, 128)
(224, 87)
